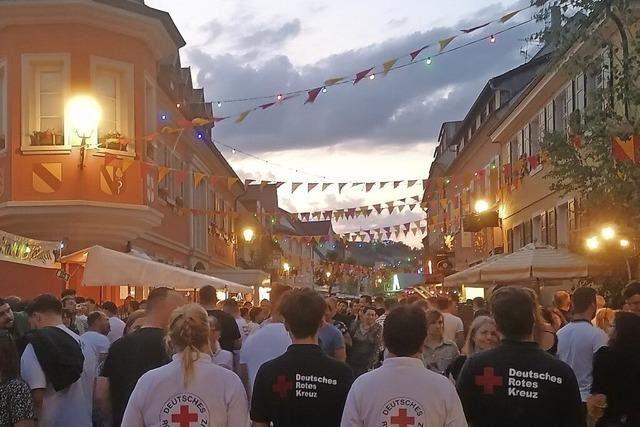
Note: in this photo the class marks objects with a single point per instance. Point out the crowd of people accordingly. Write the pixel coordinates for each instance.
(301, 359)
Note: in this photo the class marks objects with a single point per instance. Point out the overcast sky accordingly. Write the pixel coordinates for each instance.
(380, 130)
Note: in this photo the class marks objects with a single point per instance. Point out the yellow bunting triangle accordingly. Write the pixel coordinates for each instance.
(387, 66)
(199, 121)
(331, 82)
(445, 42)
(230, 182)
(508, 16)
(242, 116)
(163, 171)
(197, 178)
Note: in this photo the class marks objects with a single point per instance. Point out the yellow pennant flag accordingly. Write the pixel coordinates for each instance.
(197, 178)
(331, 82)
(199, 121)
(163, 171)
(508, 16)
(387, 66)
(230, 182)
(242, 116)
(445, 42)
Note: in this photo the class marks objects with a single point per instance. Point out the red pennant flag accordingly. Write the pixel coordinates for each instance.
(213, 181)
(415, 53)
(145, 168)
(470, 30)
(181, 176)
(626, 150)
(533, 161)
(362, 74)
(184, 123)
(312, 95)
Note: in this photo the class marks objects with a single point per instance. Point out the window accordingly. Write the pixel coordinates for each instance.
(3, 106)
(562, 224)
(113, 87)
(543, 229)
(552, 232)
(572, 215)
(168, 158)
(526, 140)
(534, 136)
(527, 232)
(535, 225)
(580, 95)
(509, 241)
(150, 108)
(561, 118)
(45, 86)
(549, 117)
(518, 237)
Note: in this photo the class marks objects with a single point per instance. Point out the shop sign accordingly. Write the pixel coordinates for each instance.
(27, 251)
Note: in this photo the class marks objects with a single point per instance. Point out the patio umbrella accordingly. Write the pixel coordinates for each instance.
(470, 275)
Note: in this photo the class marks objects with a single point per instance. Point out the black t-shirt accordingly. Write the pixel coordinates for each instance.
(303, 387)
(229, 331)
(129, 358)
(344, 318)
(454, 368)
(518, 384)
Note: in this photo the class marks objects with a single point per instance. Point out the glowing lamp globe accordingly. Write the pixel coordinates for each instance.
(84, 114)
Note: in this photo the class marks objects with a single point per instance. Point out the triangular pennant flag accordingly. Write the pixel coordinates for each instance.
(295, 186)
(391, 209)
(412, 207)
(415, 53)
(445, 42)
(328, 214)
(351, 213)
(471, 30)
(200, 122)
(279, 184)
(267, 105)
(387, 66)
(368, 186)
(627, 149)
(341, 186)
(263, 185)
(231, 181)
(396, 184)
(378, 208)
(423, 230)
(508, 16)
(362, 74)
(383, 184)
(311, 186)
(366, 212)
(412, 182)
(415, 231)
(533, 161)
(213, 181)
(163, 171)
(312, 95)
(219, 119)
(305, 216)
(197, 178)
(180, 176)
(242, 116)
(390, 204)
(417, 198)
(333, 81)
(248, 182)
(325, 186)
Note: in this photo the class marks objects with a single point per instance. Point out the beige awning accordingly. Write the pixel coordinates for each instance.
(244, 277)
(470, 275)
(106, 267)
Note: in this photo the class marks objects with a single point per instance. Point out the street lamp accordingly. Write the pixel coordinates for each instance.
(84, 115)
(328, 274)
(481, 206)
(286, 267)
(608, 233)
(593, 243)
(248, 234)
(624, 243)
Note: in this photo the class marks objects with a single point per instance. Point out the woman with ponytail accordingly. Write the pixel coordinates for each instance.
(190, 390)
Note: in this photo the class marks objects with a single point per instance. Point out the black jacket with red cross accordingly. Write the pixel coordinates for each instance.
(518, 384)
(303, 387)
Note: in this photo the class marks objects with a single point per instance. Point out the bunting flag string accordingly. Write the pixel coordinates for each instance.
(386, 67)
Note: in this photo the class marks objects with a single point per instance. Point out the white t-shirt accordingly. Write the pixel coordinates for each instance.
(403, 392)
(267, 343)
(214, 398)
(577, 342)
(452, 325)
(69, 407)
(253, 327)
(243, 327)
(100, 344)
(223, 358)
(117, 328)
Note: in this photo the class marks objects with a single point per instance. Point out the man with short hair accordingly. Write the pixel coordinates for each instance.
(135, 354)
(96, 336)
(366, 301)
(303, 387)
(342, 313)
(330, 338)
(389, 304)
(69, 310)
(266, 343)
(402, 392)
(231, 307)
(230, 337)
(518, 383)
(116, 325)
(378, 302)
(631, 296)
(453, 326)
(579, 339)
(58, 367)
(560, 309)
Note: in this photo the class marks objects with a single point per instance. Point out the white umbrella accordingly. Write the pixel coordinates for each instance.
(470, 275)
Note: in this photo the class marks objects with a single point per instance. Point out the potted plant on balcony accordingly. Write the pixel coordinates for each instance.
(46, 137)
(112, 141)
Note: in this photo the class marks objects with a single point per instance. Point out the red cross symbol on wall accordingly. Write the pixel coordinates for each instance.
(402, 420)
(488, 380)
(282, 386)
(184, 418)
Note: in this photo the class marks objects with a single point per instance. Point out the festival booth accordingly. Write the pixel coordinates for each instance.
(537, 266)
(115, 273)
(28, 267)
(258, 280)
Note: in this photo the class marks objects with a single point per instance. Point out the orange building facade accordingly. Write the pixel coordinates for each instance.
(125, 56)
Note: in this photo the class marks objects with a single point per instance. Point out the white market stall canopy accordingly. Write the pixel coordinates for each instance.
(244, 277)
(106, 267)
(530, 263)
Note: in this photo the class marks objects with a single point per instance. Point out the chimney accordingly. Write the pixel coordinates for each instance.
(555, 28)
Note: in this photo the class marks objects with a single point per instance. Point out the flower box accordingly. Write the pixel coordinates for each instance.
(112, 141)
(46, 138)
